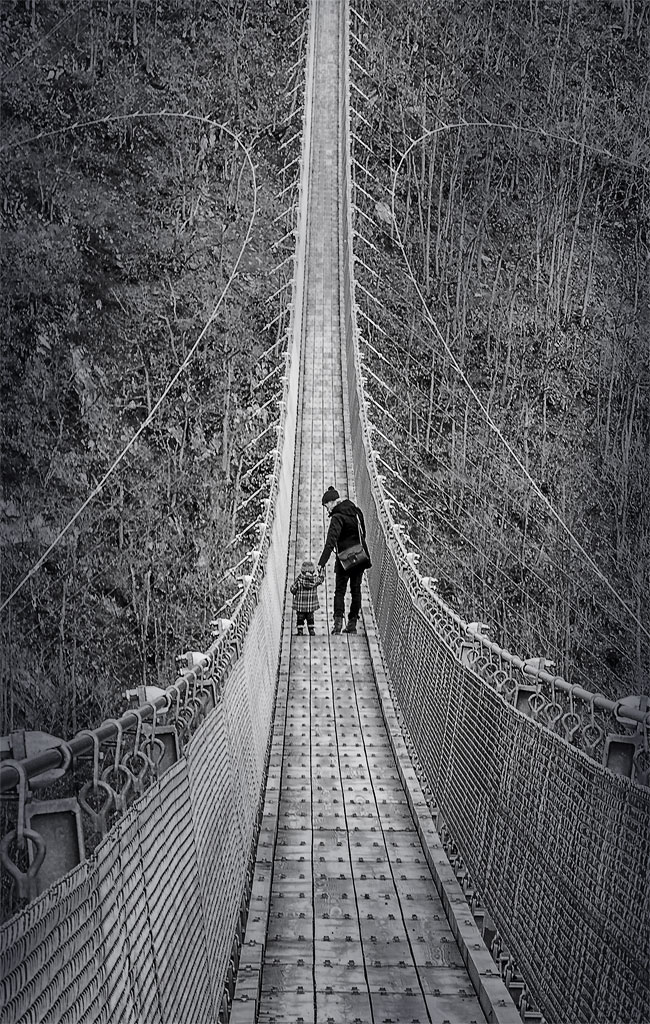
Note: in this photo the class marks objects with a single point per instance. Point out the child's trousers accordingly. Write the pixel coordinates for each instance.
(302, 617)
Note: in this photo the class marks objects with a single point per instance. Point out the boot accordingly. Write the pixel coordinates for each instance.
(312, 631)
(351, 626)
(299, 631)
(338, 623)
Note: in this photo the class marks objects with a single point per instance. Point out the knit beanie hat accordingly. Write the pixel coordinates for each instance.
(307, 566)
(331, 494)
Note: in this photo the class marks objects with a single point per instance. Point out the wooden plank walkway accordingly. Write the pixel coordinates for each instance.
(346, 922)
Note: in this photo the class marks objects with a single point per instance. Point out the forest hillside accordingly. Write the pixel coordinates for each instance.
(502, 180)
(143, 143)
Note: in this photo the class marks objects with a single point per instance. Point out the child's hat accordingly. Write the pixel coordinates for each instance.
(308, 566)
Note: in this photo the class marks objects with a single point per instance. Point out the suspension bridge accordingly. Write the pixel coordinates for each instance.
(409, 824)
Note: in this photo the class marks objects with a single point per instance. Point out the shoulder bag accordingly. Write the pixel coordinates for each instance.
(354, 557)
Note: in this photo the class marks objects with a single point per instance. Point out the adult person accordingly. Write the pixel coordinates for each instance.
(346, 530)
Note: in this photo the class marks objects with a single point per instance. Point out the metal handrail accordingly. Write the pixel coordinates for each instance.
(84, 741)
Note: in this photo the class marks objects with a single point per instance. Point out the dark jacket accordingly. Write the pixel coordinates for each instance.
(344, 530)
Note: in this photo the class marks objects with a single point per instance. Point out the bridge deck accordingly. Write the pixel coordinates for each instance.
(346, 923)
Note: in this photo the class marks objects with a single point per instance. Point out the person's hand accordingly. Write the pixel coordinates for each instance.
(321, 571)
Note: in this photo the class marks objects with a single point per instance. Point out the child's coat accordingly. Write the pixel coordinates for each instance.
(305, 593)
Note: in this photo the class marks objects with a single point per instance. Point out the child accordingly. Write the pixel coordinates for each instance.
(305, 596)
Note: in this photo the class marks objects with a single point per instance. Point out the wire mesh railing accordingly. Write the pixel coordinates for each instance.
(409, 476)
(539, 785)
